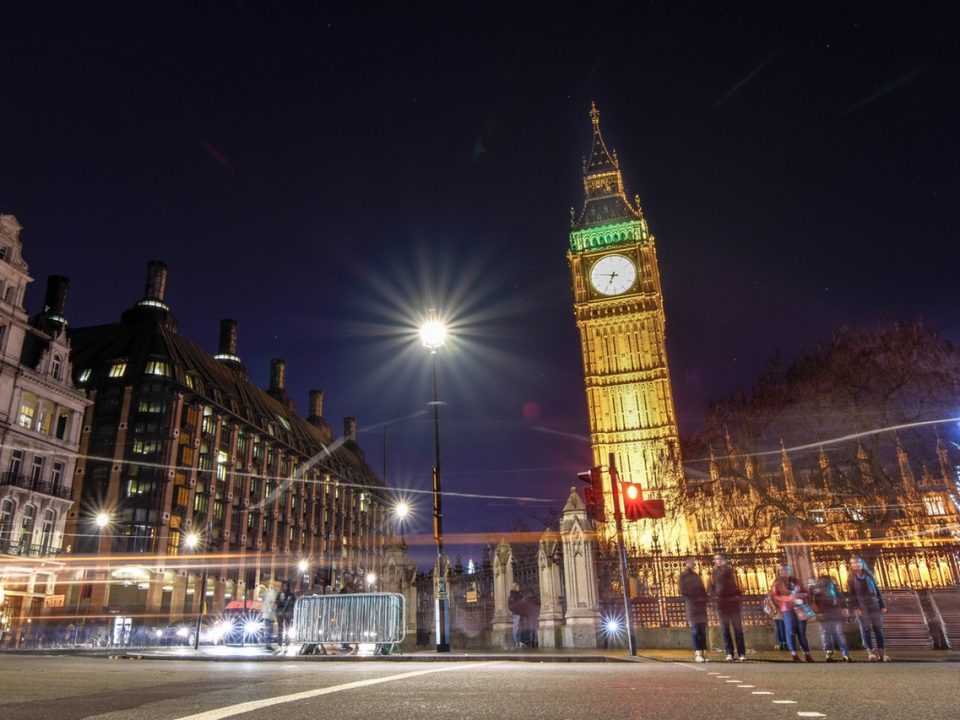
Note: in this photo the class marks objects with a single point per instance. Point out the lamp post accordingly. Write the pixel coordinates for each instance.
(101, 520)
(193, 542)
(432, 335)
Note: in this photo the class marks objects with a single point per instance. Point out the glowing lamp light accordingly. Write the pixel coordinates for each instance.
(632, 492)
(371, 578)
(192, 540)
(401, 510)
(613, 626)
(102, 520)
(302, 566)
(432, 333)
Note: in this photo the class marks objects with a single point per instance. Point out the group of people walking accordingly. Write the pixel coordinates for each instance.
(792, 605)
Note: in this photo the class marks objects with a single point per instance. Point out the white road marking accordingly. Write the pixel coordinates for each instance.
(713, 673)
(245, 707)
(805, 713)
(722, 677)
(761, 692)
(785, 702)
(745, 686)
(734, 681)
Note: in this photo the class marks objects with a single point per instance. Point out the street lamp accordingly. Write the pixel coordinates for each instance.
(432, 334)
(303, 566)
(101, 521)
(193, 542)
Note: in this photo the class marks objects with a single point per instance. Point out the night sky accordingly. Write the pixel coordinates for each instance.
(325, 175)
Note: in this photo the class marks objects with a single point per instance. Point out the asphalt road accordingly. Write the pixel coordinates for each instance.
(71, 688)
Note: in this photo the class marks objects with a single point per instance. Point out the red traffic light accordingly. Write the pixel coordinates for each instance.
(593, 495)
(632, 501)
(635, 507)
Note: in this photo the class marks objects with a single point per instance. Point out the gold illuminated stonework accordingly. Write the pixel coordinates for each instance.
(623, 340)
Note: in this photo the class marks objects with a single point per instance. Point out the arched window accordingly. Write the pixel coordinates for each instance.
(56, 369)
(46, 530)
(27, 523)
(6, 523)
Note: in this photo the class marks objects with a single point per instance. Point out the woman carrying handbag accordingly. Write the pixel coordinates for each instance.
(790, 597)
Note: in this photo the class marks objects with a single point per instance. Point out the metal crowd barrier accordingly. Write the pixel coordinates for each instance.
(369, 618)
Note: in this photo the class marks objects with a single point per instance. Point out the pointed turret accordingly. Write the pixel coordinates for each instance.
(786, 465)
(604, 198)
(906, 472)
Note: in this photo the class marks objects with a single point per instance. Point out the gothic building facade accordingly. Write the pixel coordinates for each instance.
(177, 443)
(40, 423)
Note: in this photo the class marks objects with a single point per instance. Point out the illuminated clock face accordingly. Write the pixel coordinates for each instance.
(613, 274)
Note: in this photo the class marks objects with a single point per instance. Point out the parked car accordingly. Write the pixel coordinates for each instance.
(184, 632)
(245, 623)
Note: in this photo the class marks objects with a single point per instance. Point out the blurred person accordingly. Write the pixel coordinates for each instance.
(867, 602)
(726, 591)
(827, 599)
(283, 607)
(515, 605)
(786, 592)
(695, 598)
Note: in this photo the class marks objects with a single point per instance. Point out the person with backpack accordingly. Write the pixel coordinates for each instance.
(868, 605)
(831, 608)
(726, 590)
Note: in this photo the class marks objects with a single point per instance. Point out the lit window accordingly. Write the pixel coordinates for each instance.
(25, 419)
(84, 375)
(190, 381)
(57, 367)
(146, 447)
(818, 517)
(934, 505)
(118, 369)
(856, 513)
(283, 421)
(158, 367)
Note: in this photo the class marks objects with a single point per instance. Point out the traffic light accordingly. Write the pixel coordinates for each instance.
(593, 493)
(633, 506)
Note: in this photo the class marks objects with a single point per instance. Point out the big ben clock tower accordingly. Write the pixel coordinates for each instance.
(619, 310)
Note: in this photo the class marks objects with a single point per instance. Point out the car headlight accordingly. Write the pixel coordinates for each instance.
(182, 632)
(252, 627)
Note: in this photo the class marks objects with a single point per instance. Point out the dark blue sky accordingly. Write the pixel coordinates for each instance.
(323, 175)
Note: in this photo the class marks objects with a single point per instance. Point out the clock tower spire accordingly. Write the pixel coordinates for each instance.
(618, 305)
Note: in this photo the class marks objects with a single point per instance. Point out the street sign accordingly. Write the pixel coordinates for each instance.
(441, 590)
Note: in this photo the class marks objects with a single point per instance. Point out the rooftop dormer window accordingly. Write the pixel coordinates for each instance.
(158, 367)
(118, 369)
(56, 367)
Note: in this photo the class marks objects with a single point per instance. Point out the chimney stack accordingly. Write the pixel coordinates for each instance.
(278, 375)
(316, 404)
(228, 337)
(55, 301)
(350, 428)
(156, 286)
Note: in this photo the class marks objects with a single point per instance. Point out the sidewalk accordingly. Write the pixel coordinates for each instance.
(260, 653)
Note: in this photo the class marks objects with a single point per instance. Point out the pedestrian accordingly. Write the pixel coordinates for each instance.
(695, 598)
(779, 631)
(286, 601)
(515, 605)
(726, 591)
(827, 599)
(868, 605)
(787, 592)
